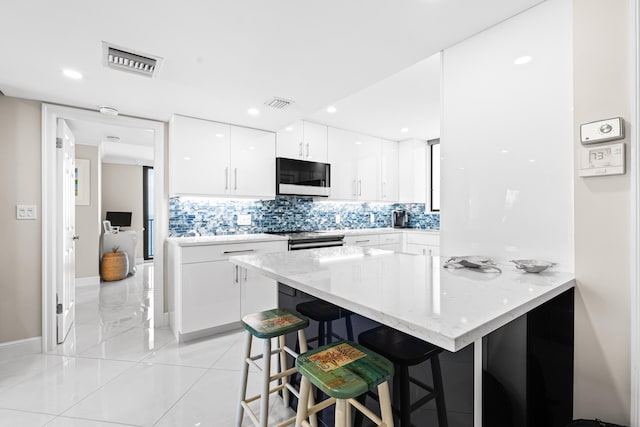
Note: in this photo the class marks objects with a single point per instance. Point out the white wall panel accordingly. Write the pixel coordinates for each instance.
(507, 186)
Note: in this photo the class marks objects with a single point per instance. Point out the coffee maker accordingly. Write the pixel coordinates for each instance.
(400, 218)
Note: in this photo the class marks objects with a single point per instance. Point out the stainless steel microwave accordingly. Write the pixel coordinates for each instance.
(302, 178)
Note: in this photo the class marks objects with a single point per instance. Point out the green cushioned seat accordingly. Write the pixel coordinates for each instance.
(344, 369)
(273, 323)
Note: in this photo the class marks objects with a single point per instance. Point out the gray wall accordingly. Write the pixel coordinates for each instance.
(602, 88)
(88, 224)
(122, 191)
(21, 248)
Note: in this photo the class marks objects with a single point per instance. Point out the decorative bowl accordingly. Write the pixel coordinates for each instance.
(532, 265)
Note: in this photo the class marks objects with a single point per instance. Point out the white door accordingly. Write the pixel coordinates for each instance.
(65, 212)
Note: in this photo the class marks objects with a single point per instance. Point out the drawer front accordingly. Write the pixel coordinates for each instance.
(432, 239)
(386, 239)
(362, 240)
(192, 254)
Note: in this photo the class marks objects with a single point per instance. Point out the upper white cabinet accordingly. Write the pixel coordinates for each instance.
(252, 166)
(412, 163)
(304, 141)
(199, 156)
(389, 171)
(355, 166)
(216, 159)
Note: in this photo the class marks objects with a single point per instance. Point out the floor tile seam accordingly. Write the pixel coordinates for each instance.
(92, 419)
(28, 412)
(31, 374)
(242, 336)
(124, 371)
(205, 371)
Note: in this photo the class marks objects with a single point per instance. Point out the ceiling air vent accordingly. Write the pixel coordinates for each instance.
(124, 59)
(278, 103)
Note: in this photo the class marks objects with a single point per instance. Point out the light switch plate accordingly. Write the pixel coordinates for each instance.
(244, 219)
(602, 131)
(338, 218)
(26, 212)
(372, 218)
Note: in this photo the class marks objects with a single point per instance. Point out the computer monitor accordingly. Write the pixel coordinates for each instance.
(119, 219)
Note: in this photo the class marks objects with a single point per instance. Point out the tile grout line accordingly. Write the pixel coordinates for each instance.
(181, 397)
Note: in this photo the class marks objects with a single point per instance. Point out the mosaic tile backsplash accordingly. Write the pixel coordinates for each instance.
(190, 216)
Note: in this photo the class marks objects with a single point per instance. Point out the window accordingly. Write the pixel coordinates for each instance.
(434, 148)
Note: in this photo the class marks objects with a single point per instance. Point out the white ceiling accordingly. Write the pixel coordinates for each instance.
(222, 57)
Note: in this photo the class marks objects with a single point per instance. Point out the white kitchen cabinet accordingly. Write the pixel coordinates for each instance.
(208, 294)
(389, 171)
(304, 141)
(388, 241)
(216, 159)
(199, 156)
(355, 166)
(252, 162)
(423, 243)
(412, 164)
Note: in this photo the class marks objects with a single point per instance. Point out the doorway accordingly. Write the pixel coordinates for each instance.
(50, 193)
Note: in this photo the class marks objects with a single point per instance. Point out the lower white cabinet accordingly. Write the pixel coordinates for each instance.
(388, 241)
(423, 243)
(208, 294)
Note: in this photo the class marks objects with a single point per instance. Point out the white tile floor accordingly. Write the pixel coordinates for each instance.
(117, 370)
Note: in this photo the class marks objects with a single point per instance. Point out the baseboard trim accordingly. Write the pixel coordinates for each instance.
(12, 349)
(88, 281)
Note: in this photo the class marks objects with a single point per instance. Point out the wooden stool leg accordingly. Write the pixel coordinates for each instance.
(301, 413)
(341, 413)
(302, 339)
(266, 373)
(243, 378)
(283, 367)
(437, 385)
(386, 413)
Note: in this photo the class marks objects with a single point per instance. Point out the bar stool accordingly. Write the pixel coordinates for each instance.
(266, 325)
(343, 371)
(405, 351)
(325, 314)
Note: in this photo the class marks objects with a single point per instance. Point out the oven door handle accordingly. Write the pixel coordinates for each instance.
(313, 245)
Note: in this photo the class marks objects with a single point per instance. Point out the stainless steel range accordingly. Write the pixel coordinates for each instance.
(311, 239)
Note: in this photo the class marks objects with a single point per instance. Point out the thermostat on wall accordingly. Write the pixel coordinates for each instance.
(602, 131)
(602, 160)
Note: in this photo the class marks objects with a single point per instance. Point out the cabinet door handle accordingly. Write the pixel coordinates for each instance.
(307, 150)
(359, 187)
(239, 251)
(354, 188)
(362, 241)
(246, 272)
(300, 149)
(226, 178)
(236, 274)
(235, 178)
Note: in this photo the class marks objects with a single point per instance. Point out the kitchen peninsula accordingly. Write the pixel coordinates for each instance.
(451, 309)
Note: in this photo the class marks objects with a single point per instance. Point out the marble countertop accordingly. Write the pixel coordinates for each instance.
(221, 240)
(413, 293)
(358, 231)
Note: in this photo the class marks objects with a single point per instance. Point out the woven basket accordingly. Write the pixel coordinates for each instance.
(115, 266)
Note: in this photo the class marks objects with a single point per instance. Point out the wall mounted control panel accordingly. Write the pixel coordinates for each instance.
(602, 160)
(602, 131)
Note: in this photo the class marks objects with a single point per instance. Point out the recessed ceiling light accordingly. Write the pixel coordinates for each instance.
(504, 151)
(532, 160)
(331, 109)
(404, 130)
(522, 60)
(253, 111)
(187, 158)
(288, 129)
(219, 135)
(358, 142)
(72, 74)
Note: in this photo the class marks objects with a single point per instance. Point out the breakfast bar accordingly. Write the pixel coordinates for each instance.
(530, 315)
